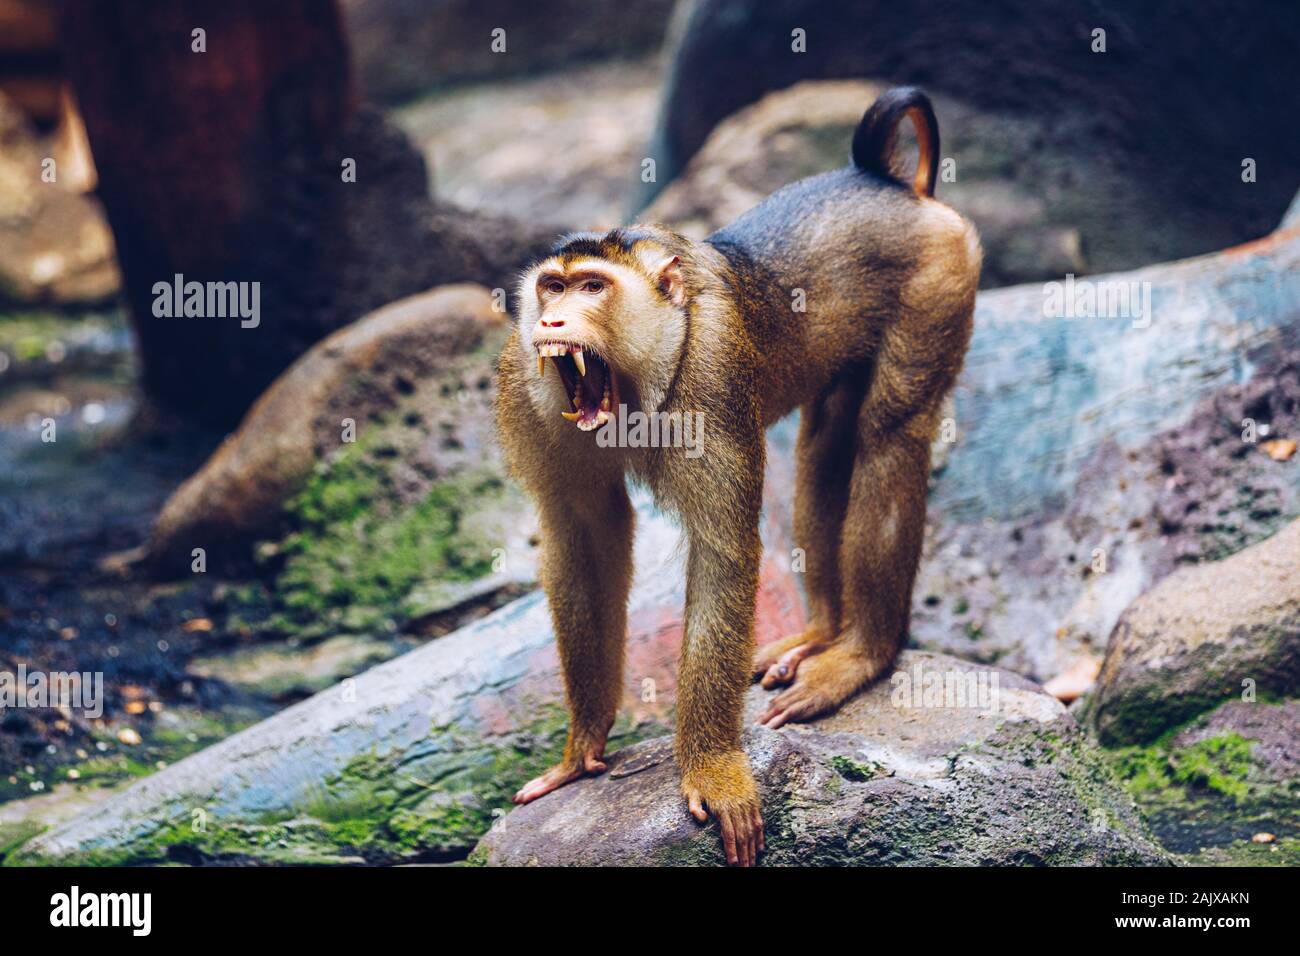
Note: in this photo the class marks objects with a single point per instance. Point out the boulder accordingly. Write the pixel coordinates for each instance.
(1027, 232)
(366, 481)
(1204, 635)
(1093, 455)
(358, 373)
(1222, 788)
(1176, 189)
(998, 775)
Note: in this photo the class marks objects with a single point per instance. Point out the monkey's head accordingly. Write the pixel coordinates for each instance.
(600, 312)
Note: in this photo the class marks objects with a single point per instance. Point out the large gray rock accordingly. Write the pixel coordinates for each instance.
(1000, 775)
(1027, 233)
(360, 373)
(1205, 635)
(1174, 190)
(1094, 455)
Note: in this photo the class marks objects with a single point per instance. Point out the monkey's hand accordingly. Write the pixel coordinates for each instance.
(578, 762)
(725, 785)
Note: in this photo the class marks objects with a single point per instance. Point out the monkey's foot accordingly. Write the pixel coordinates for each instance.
(586, 765)
(824, 682)
(776, 663)
(725, 786)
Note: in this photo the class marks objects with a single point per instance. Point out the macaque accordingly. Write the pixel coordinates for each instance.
(640, 319)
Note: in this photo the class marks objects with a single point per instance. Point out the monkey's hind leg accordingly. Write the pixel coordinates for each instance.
(880, 547)
(827, 435)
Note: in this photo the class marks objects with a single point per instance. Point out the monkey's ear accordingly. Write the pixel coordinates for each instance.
(668, 276)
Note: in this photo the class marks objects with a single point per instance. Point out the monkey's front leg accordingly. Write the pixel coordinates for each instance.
(587, 572)
(722, 584)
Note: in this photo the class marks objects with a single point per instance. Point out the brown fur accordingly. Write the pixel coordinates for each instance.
(889, 277)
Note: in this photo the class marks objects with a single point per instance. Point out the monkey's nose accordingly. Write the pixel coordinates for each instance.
(553, 324)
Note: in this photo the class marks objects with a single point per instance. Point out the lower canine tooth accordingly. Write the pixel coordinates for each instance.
(571, 416)
(579, 361)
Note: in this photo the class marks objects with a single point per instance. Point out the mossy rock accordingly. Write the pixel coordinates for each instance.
(1003, 777)
(1203, 636)
(1208, 788)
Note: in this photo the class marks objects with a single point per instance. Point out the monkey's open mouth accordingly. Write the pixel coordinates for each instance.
(589, 384)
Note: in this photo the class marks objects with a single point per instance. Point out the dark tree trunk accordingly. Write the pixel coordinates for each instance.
(227, 166)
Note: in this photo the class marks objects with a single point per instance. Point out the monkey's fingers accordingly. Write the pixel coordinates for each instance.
(696, 804)
(742, 835)
(734, 853)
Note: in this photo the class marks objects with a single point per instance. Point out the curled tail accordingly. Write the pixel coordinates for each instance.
(873, 142)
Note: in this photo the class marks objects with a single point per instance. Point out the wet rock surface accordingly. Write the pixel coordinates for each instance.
(1225, 787)
(1093, 456)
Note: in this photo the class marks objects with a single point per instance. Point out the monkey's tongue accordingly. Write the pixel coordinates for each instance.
(590, 393)
(590, 417)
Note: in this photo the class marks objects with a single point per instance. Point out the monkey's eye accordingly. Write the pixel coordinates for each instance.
(555, 287)
(595, 285)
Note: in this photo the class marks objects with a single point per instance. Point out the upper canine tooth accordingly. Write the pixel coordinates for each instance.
(579, 361)
(541, 364)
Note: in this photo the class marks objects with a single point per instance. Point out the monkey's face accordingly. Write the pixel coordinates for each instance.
(592, 325)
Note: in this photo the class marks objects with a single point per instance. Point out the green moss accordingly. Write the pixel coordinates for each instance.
(1248, 853)
(357, 554)
(357, 547)
(1201, 799)
(14, 835)
(1220, 764)
(1217, 763)
(851, 769)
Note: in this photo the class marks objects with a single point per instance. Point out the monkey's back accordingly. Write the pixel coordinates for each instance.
(820, 268)
(847, 238)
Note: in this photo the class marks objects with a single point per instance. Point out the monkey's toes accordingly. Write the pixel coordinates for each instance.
(557, 777)
(783, 671)
(800, 702)
(788, 652)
